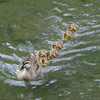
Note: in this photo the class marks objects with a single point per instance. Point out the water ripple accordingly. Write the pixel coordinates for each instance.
(80, 50)
(14, 57)
(60, 4)
(57, 9)
(85, 40)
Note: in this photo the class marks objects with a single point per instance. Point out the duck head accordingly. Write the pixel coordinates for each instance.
(26, 65)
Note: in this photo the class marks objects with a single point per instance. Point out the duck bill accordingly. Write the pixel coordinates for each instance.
(20, 69)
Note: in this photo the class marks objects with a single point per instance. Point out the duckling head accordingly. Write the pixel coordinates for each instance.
(73, 27)
(41, 54)
(57, 45)
(52, 54)
(67, 35)
(43, 62)
(49, 55)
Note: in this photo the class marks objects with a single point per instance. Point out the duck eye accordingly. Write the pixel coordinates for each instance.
(26, 62)
(43, 60)
(66, 35)
(48, 53)
(40, 54)
(54, 45)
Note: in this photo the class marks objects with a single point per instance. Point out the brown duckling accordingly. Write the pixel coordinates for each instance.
(42, 53)
(57, 45)
(43, 62)
(29, 68)
(73, 27)
(67, 35)
(52, 54)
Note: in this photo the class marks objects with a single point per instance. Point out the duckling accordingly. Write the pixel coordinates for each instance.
(67, 35)
(29, 68)
(42, 53)
(73, 27)
(52, 54)
(57, 45)
(43, 62)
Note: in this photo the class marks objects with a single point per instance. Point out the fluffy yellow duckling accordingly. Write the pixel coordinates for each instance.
(73, 27)
(29, 68)
(67, 35)
(57, 45)
(43, 62)
(52, 54)
(42, 53)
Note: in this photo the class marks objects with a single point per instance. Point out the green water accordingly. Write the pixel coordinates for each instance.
(33, 25)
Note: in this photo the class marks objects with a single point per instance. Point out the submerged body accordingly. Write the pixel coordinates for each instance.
(29, 68)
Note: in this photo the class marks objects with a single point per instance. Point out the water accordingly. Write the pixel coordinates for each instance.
(34, 25)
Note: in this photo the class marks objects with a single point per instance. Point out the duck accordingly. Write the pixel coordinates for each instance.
(43, 62)
(73, 27)
(41, 54)
(52, 54)
(67, 35)
(29, 68)
(57, 45)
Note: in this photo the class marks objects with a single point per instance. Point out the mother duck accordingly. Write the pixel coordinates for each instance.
(29, 68)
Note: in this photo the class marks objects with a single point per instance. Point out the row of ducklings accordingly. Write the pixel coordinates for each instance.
(29, 68)
(70, 30)
(44, 56)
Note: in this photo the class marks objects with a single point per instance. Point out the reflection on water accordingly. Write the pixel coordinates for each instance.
(74, 74)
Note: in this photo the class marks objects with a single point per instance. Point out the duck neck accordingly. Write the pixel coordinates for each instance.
(26, 74)
(26, 69)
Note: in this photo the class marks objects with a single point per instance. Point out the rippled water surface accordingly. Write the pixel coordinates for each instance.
(31, 25)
